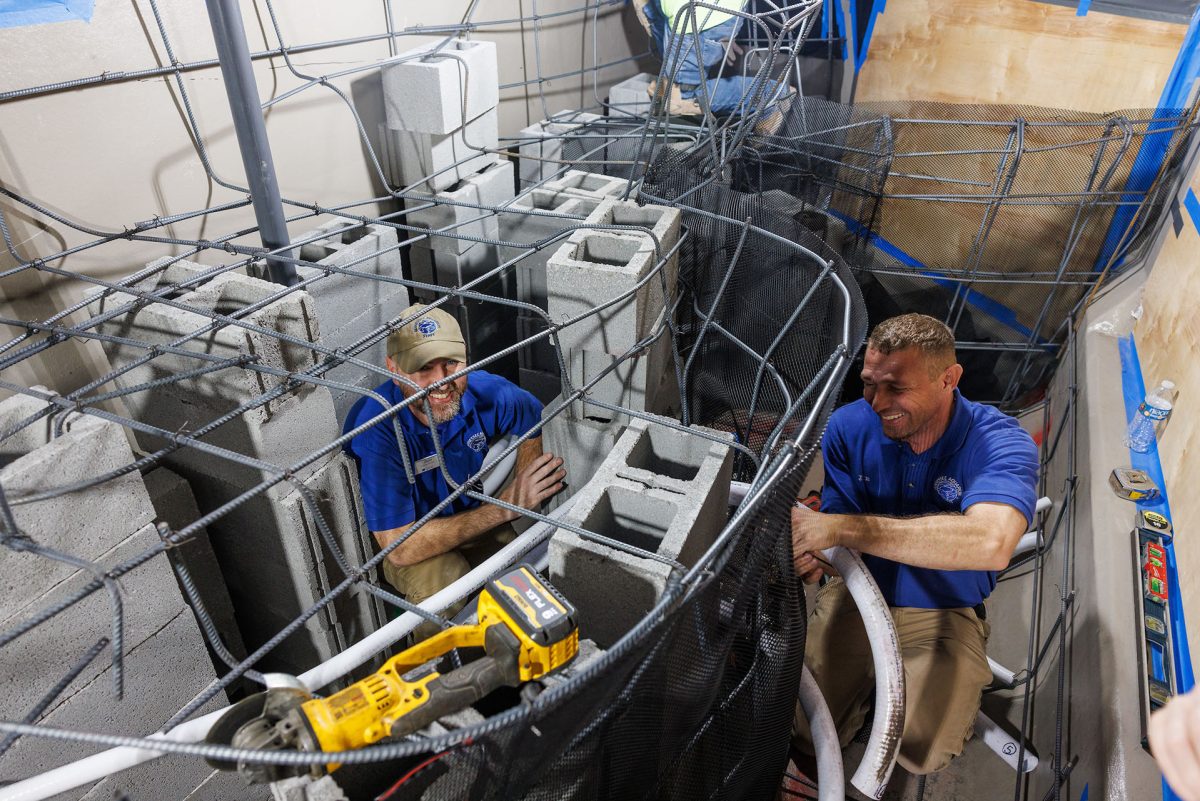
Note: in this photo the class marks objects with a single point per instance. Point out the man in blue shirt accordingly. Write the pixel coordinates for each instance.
(934, 491)
(469, 411)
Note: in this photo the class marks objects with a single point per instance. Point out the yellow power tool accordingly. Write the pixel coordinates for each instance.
(526, 628)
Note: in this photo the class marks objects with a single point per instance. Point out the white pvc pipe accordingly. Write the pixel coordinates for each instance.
(879, 759)
(96, 767)
(831, 782)
(1001, 674)
(494, 480)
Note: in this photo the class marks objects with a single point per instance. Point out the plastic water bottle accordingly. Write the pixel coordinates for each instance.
(1151, 415)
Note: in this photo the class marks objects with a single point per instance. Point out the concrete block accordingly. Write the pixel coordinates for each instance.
(612, 588)
(430, 92)
(17, 409)
(438, 161)
(600, 269)
(276, 563)
(631, 384)
(581, 442)
(491, 187)
(293, 314)
(657, 489)
(541, 145)
(661, 457)
(84, 524)
(588, 184)
(631, 96)
(350, 307)
(522, 228)
(538, 355)
(175, 505)
(166, 664)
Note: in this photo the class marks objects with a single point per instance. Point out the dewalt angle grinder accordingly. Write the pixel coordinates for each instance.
(524, 626)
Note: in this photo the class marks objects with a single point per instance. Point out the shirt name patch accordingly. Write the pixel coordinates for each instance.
(948, 489)
(477, 442)
(426, 464)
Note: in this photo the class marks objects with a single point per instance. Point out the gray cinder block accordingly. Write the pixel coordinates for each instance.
(175, 505)
(588, 184)
(491, 187)
(581, 442)
(84, 524)
(292, 314)
(349, 307)
(276, 563)
(166, 664)
(438, 161)
(14, 411)
(659, 490)
(631, 96)
(451, 270)
(541, 145)
(531, 229)
(431, 92)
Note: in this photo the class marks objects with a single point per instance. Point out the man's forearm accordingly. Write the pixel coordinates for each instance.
(941, 541)
(440, 535)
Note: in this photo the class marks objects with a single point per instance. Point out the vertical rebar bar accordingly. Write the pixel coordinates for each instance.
(234, 56)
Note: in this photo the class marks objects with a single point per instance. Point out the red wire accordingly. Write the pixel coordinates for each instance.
(416, 769)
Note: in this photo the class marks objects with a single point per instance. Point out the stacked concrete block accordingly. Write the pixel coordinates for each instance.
(523, 228)
(588, 184)
(348, 307)
(272, 564)
(597, 268)
(440, 106)
(541, 145)
(166, 660)
(659, 490)
(583, 444)
(631, 96)
(175, 505)
(490, 187)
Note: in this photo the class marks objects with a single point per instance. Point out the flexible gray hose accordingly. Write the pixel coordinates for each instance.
(875, 769)
(831, 784)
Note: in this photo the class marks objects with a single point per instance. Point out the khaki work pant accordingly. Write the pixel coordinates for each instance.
(945, 672)
(424, 579)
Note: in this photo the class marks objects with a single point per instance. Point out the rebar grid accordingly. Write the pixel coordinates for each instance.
(857, 169)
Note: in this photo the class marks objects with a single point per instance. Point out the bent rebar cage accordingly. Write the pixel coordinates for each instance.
(222, 385)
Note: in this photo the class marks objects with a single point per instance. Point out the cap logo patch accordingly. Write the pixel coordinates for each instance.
(427, 327)
(477, 441)
(947, 489)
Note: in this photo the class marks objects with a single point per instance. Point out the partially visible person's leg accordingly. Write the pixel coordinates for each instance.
(945, 672)
(424, 579)
(838, 654)
(483, 547)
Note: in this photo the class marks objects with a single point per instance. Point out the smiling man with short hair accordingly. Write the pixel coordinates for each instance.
(470, 412)
(934, 491)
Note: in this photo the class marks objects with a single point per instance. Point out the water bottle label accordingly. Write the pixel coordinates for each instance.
(1153, 412)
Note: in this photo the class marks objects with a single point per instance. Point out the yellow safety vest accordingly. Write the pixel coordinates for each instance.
(678, 11)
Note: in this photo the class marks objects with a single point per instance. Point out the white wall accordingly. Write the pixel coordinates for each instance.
(106, 157)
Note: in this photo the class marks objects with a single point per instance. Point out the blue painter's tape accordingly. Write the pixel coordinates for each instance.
(1193, 208)
(1134, 389)
(877, 8)
(1082, 9)
(1153, 149)
(19, 13)
(994, 309)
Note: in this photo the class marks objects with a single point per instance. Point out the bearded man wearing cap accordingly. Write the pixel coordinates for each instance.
(470, 412)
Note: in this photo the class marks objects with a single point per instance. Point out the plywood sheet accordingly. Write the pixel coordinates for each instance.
(1168, 335)
(1017, 51)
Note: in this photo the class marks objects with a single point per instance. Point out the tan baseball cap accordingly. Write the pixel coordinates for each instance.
(433, 335)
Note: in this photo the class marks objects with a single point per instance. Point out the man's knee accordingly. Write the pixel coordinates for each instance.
(921, 757)
(425, 578)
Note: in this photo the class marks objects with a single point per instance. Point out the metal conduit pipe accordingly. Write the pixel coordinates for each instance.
(233, 53)
(94, 768)
(875, 769)
(831, 783)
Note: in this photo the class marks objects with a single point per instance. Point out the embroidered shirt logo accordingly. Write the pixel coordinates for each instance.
(948, 489)
(477, 442)
(427, 327)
